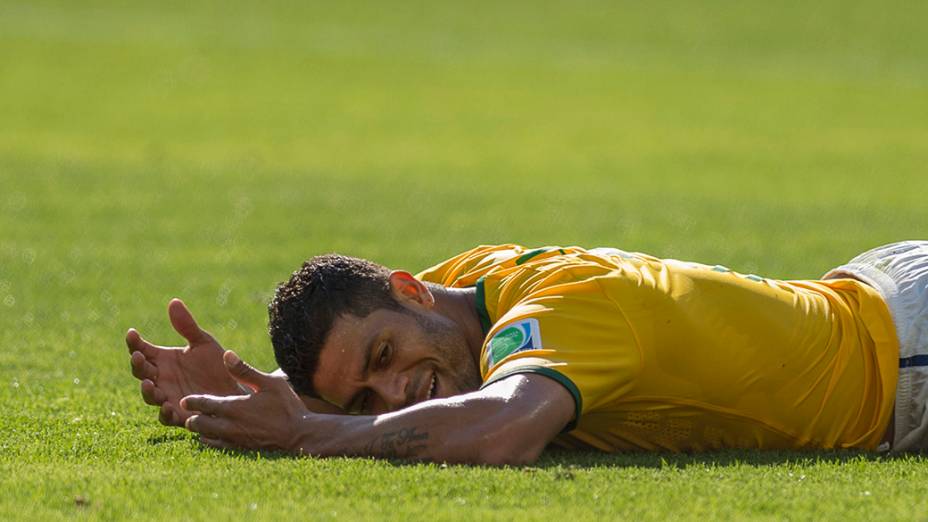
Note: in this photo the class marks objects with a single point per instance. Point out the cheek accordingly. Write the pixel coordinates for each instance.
(429, 339)
(415, 342)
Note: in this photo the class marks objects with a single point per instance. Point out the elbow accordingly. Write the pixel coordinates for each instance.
(496, 446)
(509, 453)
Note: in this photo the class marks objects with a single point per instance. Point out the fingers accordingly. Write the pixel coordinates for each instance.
(184, 323)
(169, 416)
(151, 394)
(141, 368)
(136, 343)
(217, 443)
(245, 373)
(208, 404)
(209, 427)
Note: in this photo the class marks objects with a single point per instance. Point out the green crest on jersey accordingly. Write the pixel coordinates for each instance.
(516, 337)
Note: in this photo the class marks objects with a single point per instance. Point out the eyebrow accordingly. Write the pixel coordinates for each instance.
(365, 369)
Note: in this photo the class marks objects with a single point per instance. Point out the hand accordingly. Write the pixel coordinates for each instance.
(170, 373)
(267, 419)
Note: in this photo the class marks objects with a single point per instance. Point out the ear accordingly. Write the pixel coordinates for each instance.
(408, 290)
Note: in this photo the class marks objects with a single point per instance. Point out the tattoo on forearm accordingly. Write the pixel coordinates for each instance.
(407, 443)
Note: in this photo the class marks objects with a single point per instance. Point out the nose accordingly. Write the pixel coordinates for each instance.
(393, 390)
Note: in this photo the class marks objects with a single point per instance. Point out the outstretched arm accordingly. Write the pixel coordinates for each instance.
(509, 422)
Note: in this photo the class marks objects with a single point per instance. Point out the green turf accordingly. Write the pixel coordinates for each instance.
(202, 150)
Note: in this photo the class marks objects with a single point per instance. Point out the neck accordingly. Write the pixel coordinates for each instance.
(460, 305)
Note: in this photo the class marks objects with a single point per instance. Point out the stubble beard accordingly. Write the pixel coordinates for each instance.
(451, 348)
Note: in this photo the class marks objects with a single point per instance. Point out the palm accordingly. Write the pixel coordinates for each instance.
(196, 369)
(170, 373)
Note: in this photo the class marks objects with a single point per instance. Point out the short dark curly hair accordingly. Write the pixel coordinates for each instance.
(305, 307)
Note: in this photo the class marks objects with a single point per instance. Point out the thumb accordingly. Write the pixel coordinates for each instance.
(184, 323)
(245, 373)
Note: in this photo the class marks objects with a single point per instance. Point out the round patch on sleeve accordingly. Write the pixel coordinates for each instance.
(519, 336)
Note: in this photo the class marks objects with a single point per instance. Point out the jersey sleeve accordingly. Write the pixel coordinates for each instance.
(579, 339)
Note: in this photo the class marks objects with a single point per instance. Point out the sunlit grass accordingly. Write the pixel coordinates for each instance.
(204, 150)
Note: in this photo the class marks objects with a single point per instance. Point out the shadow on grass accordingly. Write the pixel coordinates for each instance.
(171, 437)
(558, 460)
(247, 454)
(555, 458)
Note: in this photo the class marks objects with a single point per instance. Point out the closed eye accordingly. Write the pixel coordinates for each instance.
(383, 359)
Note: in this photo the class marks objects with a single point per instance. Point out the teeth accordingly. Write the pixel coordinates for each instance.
(433, 386)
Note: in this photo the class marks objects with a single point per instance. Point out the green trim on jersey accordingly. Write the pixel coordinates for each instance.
(482, 312)
(530, 254)
(551, 374)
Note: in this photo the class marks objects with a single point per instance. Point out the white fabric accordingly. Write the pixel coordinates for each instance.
(900, 273)
(609, 251)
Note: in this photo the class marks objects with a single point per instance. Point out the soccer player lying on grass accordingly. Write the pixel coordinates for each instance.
(490, 356)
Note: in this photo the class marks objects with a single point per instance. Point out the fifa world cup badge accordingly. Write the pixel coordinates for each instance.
(515, 337)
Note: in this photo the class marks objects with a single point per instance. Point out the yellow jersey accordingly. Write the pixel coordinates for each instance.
(661, 354)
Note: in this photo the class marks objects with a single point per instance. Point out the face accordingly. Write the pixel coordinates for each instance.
(392, 359)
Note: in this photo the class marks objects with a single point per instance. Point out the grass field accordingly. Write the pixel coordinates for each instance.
(204, 149)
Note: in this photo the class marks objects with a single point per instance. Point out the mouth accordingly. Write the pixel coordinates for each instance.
(433, 387)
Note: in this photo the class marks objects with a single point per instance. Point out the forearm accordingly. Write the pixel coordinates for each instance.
(439, 431)
(508, 422)
(473, 428)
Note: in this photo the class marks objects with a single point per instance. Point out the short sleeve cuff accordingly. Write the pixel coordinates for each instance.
(550, 373)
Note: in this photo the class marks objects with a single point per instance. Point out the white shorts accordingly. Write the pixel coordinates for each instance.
(900, 273)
